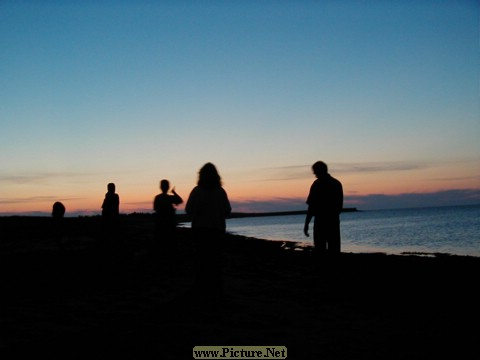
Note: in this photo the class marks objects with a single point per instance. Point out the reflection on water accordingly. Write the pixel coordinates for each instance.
(454, 230)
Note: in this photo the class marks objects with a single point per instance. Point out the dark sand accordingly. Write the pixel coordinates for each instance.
(81, 302)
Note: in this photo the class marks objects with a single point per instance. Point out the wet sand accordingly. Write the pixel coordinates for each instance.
(124, 300)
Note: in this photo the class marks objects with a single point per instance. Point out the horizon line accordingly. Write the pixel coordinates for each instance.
(234, 214)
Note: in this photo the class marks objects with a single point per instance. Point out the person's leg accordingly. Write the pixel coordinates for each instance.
(319, 238)
(334, 236)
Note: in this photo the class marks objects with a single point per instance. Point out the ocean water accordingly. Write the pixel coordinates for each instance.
(453, 230)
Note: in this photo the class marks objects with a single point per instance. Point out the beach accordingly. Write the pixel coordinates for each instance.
(82, 298)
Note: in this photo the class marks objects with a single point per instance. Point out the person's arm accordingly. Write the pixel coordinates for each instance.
(340, 197)
(117, 204)
(190, 205)
(176, 198)
(308, 218)
(228, 207)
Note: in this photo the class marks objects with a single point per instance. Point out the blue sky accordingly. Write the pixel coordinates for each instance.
(385, 92)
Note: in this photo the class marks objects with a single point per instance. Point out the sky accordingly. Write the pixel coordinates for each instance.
(387, 93)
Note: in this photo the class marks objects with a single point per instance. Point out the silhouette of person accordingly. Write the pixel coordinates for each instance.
(111, 213)
(58, 211)
(111, 203)
(325, 203)
(165, 221)
(208, 206)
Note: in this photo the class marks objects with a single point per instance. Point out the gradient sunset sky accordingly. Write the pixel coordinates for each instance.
(131, 92)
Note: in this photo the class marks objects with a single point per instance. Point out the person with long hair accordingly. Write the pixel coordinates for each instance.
(208, 206)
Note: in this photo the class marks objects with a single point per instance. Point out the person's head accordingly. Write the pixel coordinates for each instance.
(208, 177)
(58, 210)
(320, 169)
(164, 186)
(111, 188)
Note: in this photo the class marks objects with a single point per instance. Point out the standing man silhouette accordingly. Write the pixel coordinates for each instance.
(111, 214)
(58, 212)
(111, 203)
(325, 203)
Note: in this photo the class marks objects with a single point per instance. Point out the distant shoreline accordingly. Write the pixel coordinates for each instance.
(184, 217)
(238, 215)
(279, 213)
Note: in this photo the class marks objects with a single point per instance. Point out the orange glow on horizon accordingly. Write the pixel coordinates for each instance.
(87, 198)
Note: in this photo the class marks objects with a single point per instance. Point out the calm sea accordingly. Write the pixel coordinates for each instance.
(453, 230)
